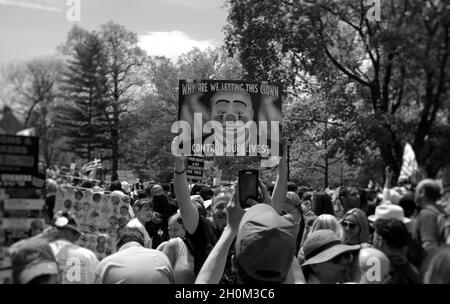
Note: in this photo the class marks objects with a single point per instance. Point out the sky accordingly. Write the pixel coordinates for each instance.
(33, 28)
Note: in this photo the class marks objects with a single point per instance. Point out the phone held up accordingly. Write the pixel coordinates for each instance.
(248, 186)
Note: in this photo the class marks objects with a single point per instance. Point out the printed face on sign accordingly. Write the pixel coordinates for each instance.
(231, 106)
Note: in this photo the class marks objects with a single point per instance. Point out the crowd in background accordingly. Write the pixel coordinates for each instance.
(184, 233)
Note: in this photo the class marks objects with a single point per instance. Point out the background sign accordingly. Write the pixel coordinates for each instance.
(194, 169)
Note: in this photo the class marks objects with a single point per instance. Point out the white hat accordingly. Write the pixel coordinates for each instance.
(389, 211)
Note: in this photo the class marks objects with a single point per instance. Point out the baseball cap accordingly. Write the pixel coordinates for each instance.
(265, 244)
(32, 258)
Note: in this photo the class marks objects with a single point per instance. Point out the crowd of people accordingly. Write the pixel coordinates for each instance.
(189, 234)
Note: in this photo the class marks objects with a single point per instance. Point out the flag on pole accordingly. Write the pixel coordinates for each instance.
(410, 166)
(90, 168)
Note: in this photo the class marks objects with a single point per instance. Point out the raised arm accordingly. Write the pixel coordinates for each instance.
(280, 189)
(188, 211)
(213, 268)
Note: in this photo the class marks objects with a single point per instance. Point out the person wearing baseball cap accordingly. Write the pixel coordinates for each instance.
(327, 259)
(33, 262)
(77, 264)
(265, 247)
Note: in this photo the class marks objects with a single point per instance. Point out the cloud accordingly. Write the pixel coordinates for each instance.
(171, 44)
(30, 6)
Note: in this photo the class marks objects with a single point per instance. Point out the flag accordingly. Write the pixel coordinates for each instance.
(90, 168)
(410, 166)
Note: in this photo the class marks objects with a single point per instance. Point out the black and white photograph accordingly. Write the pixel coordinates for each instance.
(232, 143)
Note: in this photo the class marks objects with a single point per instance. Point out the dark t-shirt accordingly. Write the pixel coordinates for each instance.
(201, 242)
(158, 232)
(402, 272)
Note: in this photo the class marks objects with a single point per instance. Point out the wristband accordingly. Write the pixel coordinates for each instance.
(180, 172)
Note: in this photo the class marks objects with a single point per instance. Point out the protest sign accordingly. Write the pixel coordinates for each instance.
(19, 162)
(228, 118)
(194, 168)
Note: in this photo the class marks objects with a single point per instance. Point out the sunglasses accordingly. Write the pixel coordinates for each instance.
(348, 224)
(344, 256)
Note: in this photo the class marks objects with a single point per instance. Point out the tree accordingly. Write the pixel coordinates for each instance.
(84, 91)
(123, 58)
(34, 85)
(398, 67)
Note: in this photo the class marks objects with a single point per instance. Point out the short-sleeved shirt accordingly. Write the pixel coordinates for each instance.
(181, 259)
(134, 264)
(76, 264)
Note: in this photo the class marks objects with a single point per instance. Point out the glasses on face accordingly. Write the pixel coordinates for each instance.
(348, 224)
(342, 257)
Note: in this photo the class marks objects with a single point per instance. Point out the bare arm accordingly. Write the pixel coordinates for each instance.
(181, 187)
(280, 189)
(213, 268)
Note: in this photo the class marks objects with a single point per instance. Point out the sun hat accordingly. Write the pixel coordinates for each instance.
(265, 245)
(389, 211)
(32, 258)
(322, 246)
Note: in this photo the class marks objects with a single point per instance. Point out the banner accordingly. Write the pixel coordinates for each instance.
(99, 216)
(194, 168)
(410, 166)
(228, 118)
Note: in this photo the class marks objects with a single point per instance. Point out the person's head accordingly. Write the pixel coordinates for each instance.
(36, 227)
(321, 203)
(391, 236)
(160, 208)
(128, 235)
(87, 184)
(176, 227)
(265, 246)
(143, 210)
(390, 211)
(292, 187)
(219, 203)
(231, 106)
(166, 188)
(292, 203)
(438, 271)
(33, 262)
(350, 198)
(408, 204)
(125, 187)
(326, 257)
(198, 202)
(428, 191)
(328, 222)
(371, 266)
(156, 190)
(356, 227)
(195, 190)
(67, 226)
(115, 185)
(206, 193)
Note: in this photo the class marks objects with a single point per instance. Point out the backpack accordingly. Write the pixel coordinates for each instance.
(443, 223)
